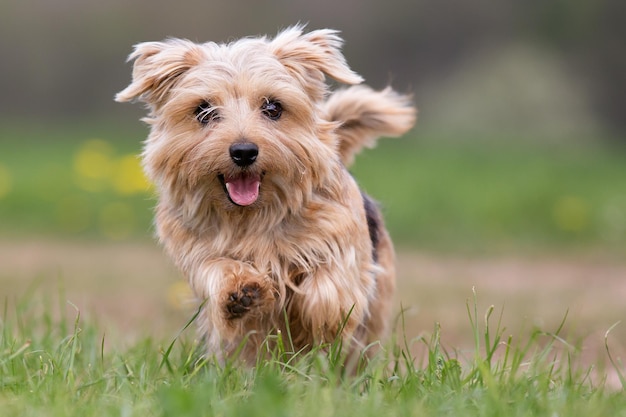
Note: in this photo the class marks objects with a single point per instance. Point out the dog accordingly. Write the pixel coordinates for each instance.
(248, 151)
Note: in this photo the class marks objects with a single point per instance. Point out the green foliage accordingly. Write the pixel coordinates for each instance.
(73, 184)
(64, 367)
(498, 195)
(441, 195)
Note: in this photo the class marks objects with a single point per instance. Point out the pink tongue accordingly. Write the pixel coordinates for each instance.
(244, 189)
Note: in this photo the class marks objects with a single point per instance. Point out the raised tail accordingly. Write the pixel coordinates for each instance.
(365, 115)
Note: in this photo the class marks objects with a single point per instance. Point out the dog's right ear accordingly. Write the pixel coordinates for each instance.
(157, 67)
(311, 55)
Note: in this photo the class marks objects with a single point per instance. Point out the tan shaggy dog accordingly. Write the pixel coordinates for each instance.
(248, 153)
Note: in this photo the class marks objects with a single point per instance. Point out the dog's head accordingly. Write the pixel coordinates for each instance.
(239, 125)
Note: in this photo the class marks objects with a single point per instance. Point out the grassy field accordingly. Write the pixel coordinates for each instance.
(60, 367)
(538, 231)
(451, 196)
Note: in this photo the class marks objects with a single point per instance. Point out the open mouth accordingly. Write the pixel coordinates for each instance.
(242, 189)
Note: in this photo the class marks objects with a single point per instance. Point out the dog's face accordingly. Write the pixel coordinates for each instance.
(238, 126)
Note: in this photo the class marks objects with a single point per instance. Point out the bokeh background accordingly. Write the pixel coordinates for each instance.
(513, 182)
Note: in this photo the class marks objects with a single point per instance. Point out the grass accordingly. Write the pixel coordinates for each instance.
(65, 367)
(437, 195)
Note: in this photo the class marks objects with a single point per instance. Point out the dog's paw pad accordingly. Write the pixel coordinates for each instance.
(240, 302)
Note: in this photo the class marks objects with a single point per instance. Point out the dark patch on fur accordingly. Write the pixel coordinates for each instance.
(373, 223)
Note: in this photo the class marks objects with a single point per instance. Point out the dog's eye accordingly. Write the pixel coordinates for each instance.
(272, 109)
(206, 113)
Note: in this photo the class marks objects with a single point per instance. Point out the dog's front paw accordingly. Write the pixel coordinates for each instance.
(249, 294)
(240, 302)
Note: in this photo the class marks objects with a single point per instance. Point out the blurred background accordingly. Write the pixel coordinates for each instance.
(514, 178)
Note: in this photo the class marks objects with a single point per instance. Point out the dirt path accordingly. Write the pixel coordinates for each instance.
(132, 290)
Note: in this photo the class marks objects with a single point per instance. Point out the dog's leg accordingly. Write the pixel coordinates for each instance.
(240, 301)
(329, 306)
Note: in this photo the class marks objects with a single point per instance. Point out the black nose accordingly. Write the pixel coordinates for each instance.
(244, 153)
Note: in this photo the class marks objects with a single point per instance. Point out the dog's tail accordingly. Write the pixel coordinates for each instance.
(365, 115)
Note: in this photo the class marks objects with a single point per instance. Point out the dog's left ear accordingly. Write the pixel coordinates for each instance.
(157, 67)
(309, 56)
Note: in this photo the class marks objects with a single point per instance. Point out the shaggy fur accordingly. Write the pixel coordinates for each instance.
(248, 152)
